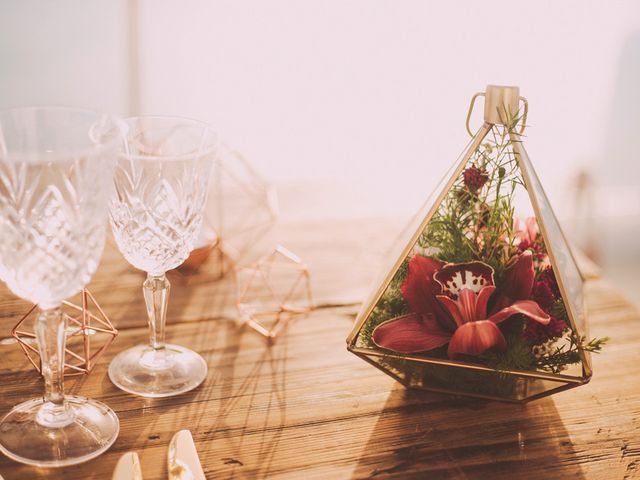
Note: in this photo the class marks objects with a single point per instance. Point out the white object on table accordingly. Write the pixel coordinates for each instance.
(128, 467)
(182, 459)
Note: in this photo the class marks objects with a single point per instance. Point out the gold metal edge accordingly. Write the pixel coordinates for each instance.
(469, 366)
(383, 370)
(457, 393)
(443, 391)
(552, 391)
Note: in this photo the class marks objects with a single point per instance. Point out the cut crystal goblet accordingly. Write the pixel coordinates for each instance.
(56, 169)
(161, 183)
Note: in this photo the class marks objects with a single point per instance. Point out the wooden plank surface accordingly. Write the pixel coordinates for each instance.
(306, 408)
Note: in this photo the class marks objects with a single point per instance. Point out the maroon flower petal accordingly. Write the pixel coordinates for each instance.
(456, 276)
(475, 338)
(467, 304)
(537, 334)
(452, 307)
(543, 295)
(420, 289)
(483, 300)
(474, 178)
(548, 277)
(518, 280)
(410, 334)
(529, 308)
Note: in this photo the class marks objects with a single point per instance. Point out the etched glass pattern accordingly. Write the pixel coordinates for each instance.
(157, 211)
(161, 184)
(52, 217)
(56, 169)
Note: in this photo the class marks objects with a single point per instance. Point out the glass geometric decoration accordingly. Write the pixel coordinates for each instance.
(273, 290)
(484, 297)
(218, 264)
(241, 208)
(89, 334)
(198, 256)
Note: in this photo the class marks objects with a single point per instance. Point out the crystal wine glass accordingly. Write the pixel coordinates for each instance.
(161, 183)
(56, 169)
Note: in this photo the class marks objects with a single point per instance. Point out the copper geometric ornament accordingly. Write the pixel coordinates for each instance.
(85, 331)
(273, 290)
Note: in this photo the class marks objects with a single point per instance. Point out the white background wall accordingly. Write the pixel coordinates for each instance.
(64, 53)
(367, 97)
(375, 93)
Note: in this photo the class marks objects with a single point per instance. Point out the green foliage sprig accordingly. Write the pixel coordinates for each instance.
(478, 225)
(565, 354)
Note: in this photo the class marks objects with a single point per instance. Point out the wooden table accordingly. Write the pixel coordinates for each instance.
(306, 408)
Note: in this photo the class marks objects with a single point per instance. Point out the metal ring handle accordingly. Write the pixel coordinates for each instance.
(473, 100)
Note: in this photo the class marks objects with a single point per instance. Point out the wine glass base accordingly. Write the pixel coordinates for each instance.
(92, 431)
(141, 371)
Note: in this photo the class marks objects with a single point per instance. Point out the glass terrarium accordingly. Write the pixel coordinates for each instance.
(485, 297)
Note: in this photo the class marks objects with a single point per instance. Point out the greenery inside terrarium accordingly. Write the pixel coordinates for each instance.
(477, 228)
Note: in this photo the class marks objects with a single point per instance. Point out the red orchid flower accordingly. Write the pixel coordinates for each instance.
(450, 305)
(518, 282)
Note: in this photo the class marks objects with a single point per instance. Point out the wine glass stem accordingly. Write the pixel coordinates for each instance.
(51, 337)
(156, 296)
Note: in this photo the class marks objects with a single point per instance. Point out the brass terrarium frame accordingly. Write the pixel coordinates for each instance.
(501, 106)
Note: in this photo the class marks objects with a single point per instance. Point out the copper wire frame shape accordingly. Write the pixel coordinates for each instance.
(284, 311)
(84, 321)
(566, 381)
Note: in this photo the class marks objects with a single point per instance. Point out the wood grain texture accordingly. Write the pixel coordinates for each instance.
(306, 408)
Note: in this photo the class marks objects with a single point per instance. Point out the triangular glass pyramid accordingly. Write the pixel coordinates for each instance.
(484, 297)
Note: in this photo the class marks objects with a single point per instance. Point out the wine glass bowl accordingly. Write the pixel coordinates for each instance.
(161, 182)
(54, 202)
(56, 166)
